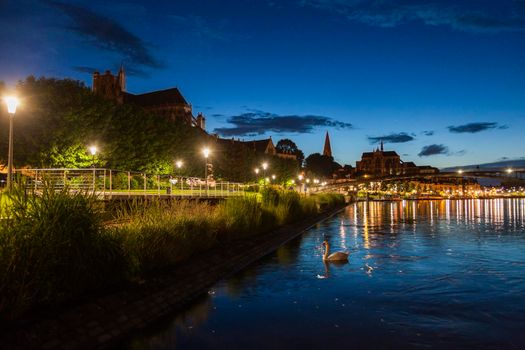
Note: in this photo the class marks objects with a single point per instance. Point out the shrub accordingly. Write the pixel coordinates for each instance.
(53, 247)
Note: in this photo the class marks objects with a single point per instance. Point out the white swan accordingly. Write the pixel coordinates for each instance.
(337, 256)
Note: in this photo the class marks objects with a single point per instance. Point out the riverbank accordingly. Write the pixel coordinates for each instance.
(102, 323)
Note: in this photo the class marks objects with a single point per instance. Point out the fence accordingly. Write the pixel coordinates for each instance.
(110, 183)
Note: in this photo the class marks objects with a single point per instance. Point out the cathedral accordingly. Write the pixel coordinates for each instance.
(382, 163)
(167, 103)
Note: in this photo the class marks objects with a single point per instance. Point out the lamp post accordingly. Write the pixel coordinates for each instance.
(256, 174)
(93, 151)
(12, 103)
(206, 153)
(300, 178)
(264, 165)
(178, 165)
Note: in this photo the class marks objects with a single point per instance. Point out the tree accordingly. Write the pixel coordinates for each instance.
(288, 146)
(321, 165)
(59, 119)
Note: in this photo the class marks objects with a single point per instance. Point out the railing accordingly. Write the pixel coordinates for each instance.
(114, 183)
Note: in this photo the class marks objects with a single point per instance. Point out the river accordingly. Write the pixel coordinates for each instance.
(421, 274)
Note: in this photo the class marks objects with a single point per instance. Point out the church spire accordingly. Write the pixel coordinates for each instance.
(327, 150)
(381, 145)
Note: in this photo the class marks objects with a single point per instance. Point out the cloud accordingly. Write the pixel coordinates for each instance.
(258, 123)
(130, 70)
(401, 137)
(428, 132)
(432, 150)
(107, 34)
(473, 128)
(457, 15)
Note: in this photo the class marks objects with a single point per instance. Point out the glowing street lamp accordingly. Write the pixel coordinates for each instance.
(93, 150)
(509, 170)
(273, 177)
(300, 177)
(256, 171)
(460, 171)
(12, 103)
(179, 164)
(206, 153)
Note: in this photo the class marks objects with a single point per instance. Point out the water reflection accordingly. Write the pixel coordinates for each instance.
(438, 274)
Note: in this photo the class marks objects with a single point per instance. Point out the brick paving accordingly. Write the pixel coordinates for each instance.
(104, 322)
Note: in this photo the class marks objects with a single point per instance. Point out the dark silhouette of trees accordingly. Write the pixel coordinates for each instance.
(58, 119)
(288, 146)
(320, 165)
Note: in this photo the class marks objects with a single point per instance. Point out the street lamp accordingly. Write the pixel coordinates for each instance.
(206, 153)
(179, 163)
(509, 170)
(93, 150)
(273, 177)
(460, 171)
(12, 103)
(264, 165)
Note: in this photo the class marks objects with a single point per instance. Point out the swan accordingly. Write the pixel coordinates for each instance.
(337, 256)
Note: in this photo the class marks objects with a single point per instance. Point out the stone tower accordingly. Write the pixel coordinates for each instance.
(109, 86)
(327, 150)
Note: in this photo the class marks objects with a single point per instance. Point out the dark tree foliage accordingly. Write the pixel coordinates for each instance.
(288, 146)
(321, 165)
(58, 120)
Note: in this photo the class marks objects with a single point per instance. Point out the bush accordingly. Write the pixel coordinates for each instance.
(53, 247)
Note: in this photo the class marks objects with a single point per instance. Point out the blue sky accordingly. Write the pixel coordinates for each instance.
(441, 82)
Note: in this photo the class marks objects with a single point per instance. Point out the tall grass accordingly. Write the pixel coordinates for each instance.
(157, 234)
(55, 247)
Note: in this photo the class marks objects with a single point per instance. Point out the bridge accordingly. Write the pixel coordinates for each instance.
(499, 174)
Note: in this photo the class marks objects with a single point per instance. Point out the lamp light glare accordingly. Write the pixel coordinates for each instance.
(12, 103)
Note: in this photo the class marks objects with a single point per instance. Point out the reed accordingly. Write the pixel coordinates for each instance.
(54, 245)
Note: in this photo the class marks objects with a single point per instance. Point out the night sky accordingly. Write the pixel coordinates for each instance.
(441, 82)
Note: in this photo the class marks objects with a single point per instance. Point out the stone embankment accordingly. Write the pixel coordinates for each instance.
(104, 322)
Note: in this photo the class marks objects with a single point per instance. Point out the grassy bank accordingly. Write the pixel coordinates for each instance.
(54, 247)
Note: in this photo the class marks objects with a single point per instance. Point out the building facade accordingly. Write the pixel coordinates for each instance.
(388, 163)
(167, 103)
